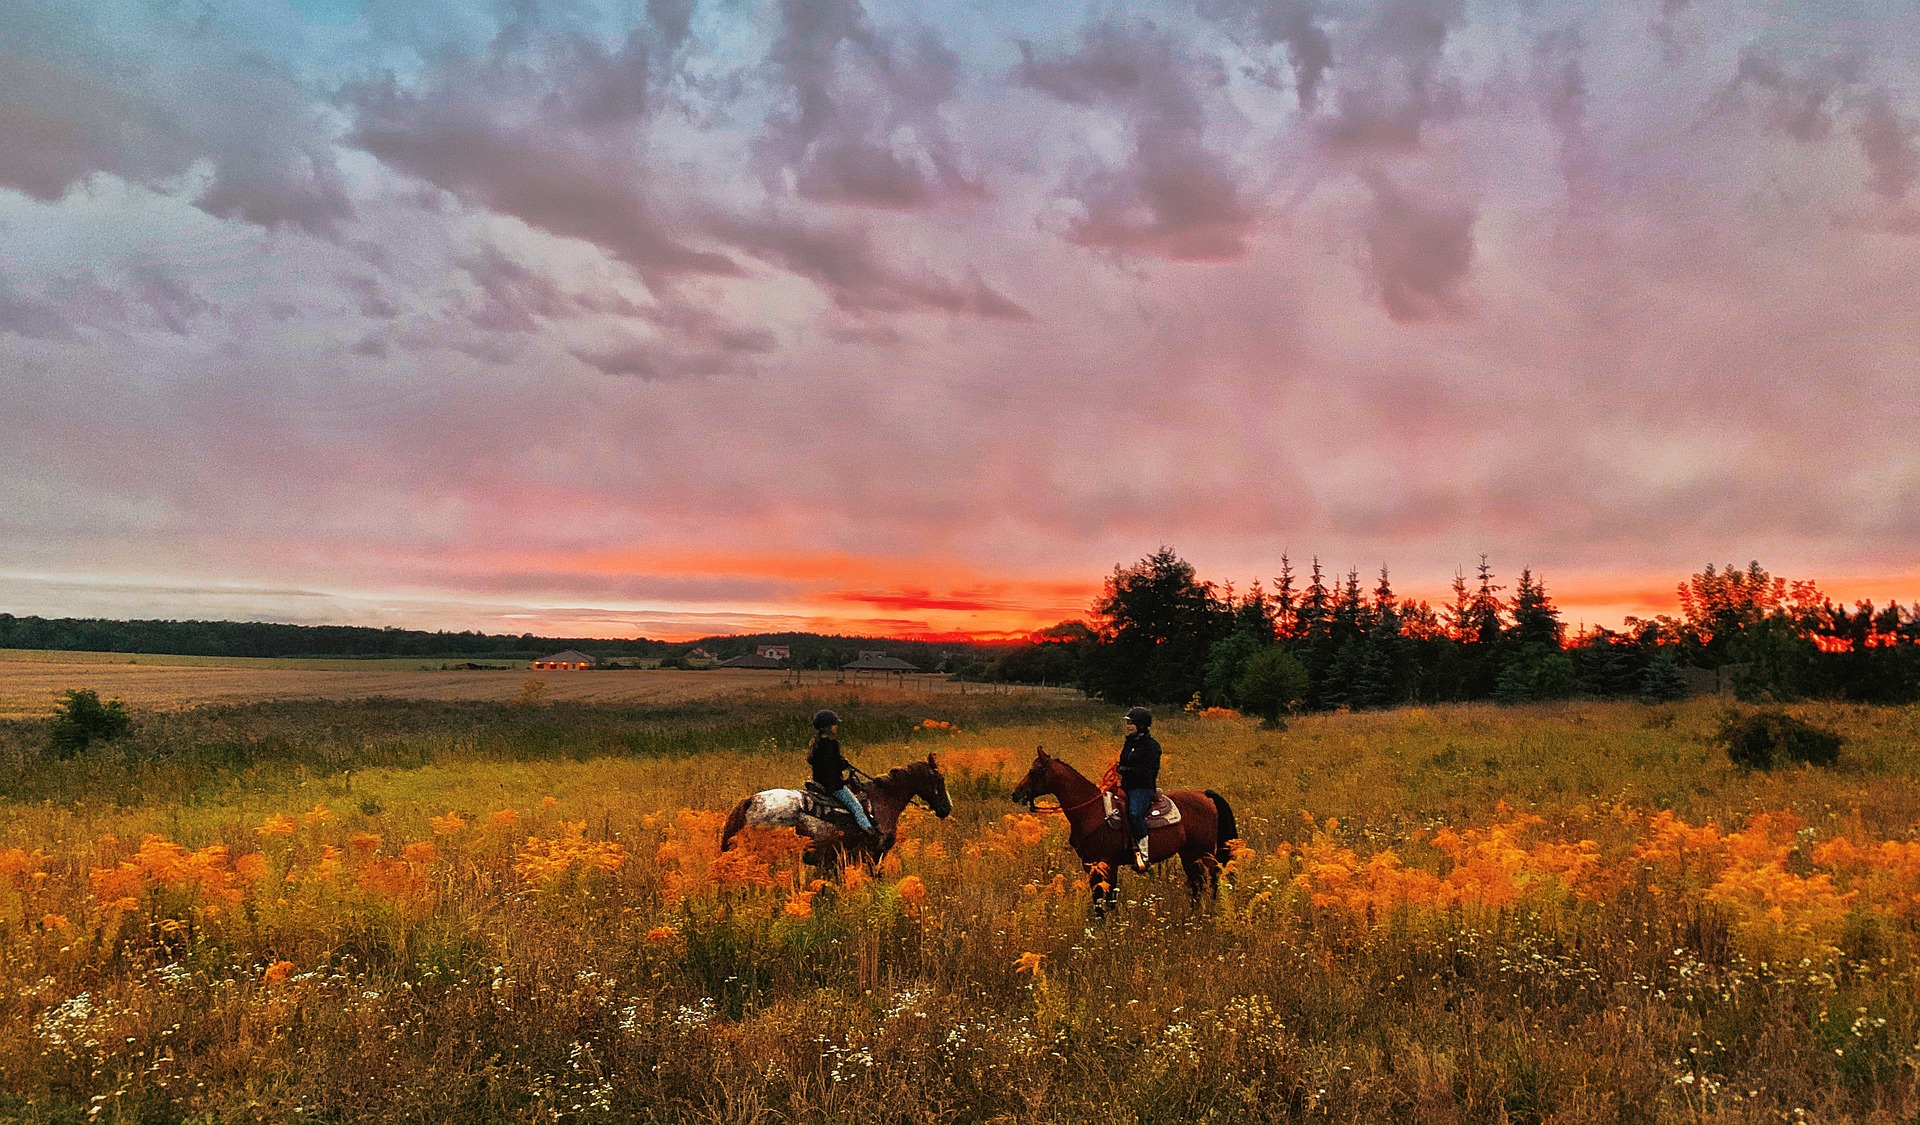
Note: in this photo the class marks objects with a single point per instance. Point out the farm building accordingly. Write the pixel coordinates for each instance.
(570, 660)
(763, 656)
(871, 661)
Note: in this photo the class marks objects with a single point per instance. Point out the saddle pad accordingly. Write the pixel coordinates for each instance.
(1163, 813)
(825, 806)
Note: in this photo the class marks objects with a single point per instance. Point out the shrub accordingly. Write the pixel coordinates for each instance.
(1271, 682)
(1763, 739)
(83, 720)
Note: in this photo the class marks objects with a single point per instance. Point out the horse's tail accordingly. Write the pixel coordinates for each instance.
(1227, 828)
(736, 820)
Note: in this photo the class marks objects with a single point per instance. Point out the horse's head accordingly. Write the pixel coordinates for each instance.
(1036, 781)
(935, 791)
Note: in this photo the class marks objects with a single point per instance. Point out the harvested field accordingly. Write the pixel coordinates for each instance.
(31, 684)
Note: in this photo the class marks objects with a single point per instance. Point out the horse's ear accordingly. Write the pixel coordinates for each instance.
(1042, 752)
(931, 762)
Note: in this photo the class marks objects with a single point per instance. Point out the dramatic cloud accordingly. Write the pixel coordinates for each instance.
(1174, 197)
(860, 121)
(686, 316)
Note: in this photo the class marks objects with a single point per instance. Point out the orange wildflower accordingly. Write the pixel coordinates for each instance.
(422, 853)
(913, 892)
(506, 818)
(317, 815)
(364, 844)
(447, 825)
(279, 824)
(1030, 963)
(52, 922)
(799, 904)
(251, 867)
(277, 972)
(661, 935)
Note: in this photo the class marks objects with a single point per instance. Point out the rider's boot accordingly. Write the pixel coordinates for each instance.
(1140, 854)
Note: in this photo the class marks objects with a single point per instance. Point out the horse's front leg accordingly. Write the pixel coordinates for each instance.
(1100, 883)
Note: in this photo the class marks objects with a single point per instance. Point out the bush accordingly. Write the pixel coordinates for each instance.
(1271, 682)
(1765, 738)
(83, 720)
(1662, 681)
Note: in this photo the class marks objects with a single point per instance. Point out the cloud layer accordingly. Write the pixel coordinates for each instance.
(692, 316)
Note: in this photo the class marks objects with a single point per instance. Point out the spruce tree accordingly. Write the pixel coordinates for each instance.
(1662, 682)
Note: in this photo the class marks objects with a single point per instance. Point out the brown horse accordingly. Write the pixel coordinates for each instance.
(888, 795)
(1199, 839)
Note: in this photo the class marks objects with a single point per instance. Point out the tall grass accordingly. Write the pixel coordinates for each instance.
(383, 911)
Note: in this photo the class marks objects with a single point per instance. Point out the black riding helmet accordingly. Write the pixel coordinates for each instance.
(1140, 717)
(825, 720)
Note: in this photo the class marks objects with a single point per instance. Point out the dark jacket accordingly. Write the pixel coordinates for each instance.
(829, 765)
(1139, 761)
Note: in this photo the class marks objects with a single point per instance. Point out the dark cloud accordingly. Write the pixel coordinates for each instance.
(57, 128)
(168, 297)
(1175, 198)
(1420, 254)
(469, 147)
(1802, 106)
(148, 111)
(369, 298)
(843, 262)
(1396, 82)
(864, 125)
(1282, 22)
(1888, 142)
(1811, 104)
(660, 361)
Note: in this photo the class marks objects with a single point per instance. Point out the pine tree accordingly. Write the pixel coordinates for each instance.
(1535, 619)
(1283, 601)
(1381, 675)
(1662, 682)
(1460, 622)
(1484, 619)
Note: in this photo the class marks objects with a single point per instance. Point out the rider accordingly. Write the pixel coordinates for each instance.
(830, 767)
(1140, 777)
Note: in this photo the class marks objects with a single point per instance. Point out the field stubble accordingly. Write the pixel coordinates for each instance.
(377, 910)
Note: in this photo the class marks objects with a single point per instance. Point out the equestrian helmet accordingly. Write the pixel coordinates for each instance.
(824, 720)
(1140, 717)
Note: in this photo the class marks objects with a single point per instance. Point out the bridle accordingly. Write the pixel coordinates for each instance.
(1062, 809)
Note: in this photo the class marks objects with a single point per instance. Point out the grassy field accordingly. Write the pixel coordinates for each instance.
(456, 910)
(32, 682)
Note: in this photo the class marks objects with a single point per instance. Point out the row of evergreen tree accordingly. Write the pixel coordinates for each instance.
(262, 638)
(1161, 634)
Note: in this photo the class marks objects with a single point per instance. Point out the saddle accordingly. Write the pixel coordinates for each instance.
(1163, 813)
(816, 802)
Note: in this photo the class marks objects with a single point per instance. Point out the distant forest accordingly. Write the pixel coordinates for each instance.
(1159, 634)
(255, 638)
(249, 638)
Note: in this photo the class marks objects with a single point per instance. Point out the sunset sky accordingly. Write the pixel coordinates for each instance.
(671, 318)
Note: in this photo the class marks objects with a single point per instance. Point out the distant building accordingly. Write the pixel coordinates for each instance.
(700, 658)
(570, 660)
(875, 661)
(763, 656)
(773, 652)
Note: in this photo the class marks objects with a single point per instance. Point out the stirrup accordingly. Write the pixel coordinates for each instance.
(1140, 853)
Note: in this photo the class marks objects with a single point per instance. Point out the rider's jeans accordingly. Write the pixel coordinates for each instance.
(846, 797)
(1139, 804)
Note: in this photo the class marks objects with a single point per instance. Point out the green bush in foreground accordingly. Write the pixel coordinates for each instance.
(83, 720)
(1765, 738)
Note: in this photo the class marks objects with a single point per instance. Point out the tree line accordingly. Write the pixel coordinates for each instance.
(1158, 633)
(258, 638)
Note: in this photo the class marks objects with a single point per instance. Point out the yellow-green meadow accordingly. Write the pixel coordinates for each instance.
(387, 910)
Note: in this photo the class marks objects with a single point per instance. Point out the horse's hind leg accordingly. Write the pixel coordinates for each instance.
(736, 820)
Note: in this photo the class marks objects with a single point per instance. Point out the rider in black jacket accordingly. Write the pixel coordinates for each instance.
(830, 767)
(1140, 777)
